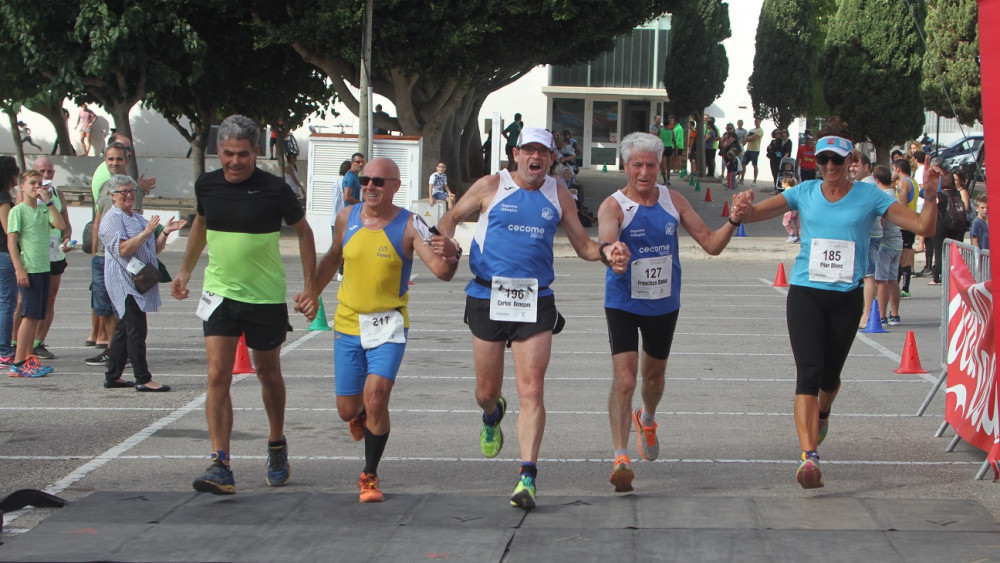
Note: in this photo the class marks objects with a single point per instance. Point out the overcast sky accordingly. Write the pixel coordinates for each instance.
(743, 16)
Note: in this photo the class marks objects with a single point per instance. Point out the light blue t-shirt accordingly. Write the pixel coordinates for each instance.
(849, 219)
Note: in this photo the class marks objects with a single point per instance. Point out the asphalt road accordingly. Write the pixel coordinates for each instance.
(725, 421)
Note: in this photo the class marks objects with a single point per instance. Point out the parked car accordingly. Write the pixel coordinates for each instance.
(967, 146)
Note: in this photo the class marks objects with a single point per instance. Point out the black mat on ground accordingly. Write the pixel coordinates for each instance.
(300, 526)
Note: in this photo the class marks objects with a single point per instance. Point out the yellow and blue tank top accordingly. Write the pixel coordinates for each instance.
(376, 271)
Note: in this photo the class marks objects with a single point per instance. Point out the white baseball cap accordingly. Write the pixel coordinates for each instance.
(536, 135)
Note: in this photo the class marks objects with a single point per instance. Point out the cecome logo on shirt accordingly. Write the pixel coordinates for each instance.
(661, 249)
(530, 229)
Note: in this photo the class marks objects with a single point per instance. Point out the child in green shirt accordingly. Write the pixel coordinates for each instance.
(28, 243)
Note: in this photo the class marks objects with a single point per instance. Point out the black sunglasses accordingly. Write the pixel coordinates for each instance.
(379, 182)
(824, 157)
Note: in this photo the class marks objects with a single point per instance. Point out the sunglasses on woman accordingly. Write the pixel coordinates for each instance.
(825, 157)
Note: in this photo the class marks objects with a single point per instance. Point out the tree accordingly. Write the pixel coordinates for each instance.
(109, 51)
(15, 87)
(951, 84)
(439, 62)
(696, 64)
(871, 69)
(288, 91)
(781, 83)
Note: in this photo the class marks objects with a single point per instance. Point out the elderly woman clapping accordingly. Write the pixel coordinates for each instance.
(131, 243)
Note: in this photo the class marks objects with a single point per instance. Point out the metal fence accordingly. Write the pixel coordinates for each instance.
(978, 262)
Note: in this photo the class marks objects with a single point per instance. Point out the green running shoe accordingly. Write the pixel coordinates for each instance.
(524, 493)
(491, 436)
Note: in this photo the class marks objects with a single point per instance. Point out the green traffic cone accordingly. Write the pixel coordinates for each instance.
(319, 323)
(697, 185)
(683, 174)
(605, 169)
(691, 180)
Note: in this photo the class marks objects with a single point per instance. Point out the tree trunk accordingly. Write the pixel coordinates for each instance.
(472, 144)
(12, 114)
(882, 153)
(119, 112)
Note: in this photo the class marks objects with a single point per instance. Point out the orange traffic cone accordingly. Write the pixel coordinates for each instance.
(910, 362)
(242, 362)
(779, 279)
(708, 195)
(725, 210)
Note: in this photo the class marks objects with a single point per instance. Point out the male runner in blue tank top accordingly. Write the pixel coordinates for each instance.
(509, 301)
(646, 298)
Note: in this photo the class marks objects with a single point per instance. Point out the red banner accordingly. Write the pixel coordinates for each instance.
(972, 406)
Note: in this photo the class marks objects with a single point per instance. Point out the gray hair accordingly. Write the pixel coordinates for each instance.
(640, 142)
(238, 127)
(117, 146)
(116, 182)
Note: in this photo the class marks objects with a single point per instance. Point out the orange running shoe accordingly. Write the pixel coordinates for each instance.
(357, 426)
(649, 445)
(368, 483)
(622, 475)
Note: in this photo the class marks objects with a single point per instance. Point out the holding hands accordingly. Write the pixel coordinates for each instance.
(616, 255)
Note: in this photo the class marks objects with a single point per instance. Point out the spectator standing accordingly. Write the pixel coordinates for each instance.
(907, 192)
(512, 133)
(105, 322)
(979, 233)
(84, 124)
(711, 146)
(59, 245)
(752, 153)
(8, 279)
(666, 135)
(887, 262)
(741, 134)
(131, 242)
(28, 226)
(805, 158)
(952, 219)
(351, 184)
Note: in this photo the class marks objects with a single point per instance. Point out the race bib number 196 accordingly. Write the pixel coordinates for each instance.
(514, 299)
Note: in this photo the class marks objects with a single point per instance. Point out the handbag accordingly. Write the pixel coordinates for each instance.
(88, 238)
(146, 279)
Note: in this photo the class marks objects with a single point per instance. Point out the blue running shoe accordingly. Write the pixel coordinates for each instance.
(218, 479)
(278, 470)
